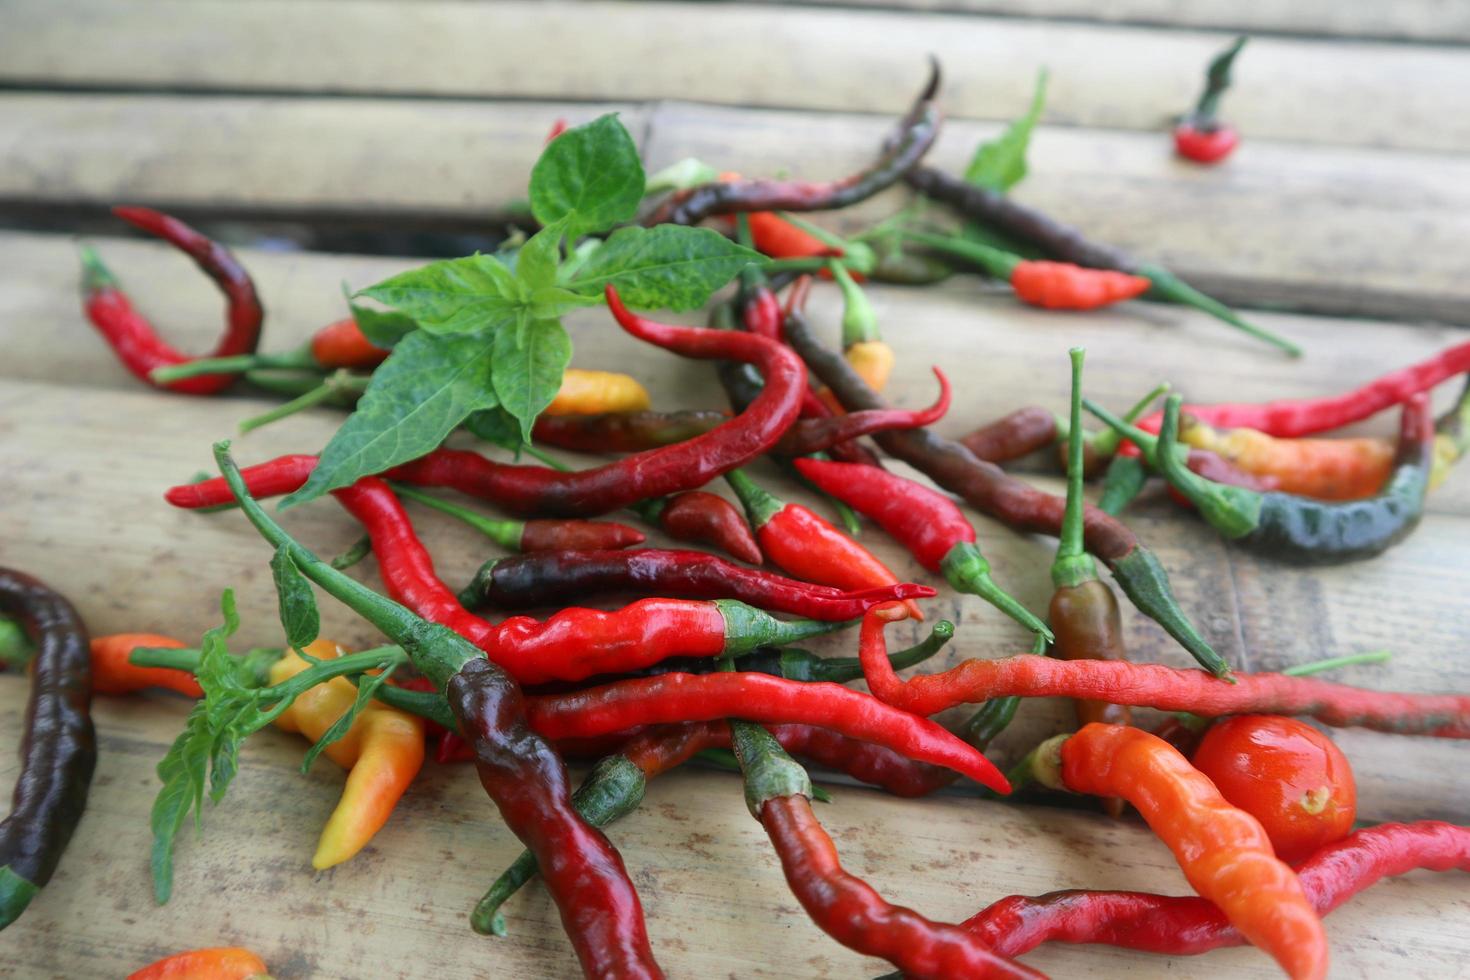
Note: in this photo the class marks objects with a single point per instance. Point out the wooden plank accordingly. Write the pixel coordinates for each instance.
(438, 158)
(1344, 231)
(1268, 229)
(1130, 78)
(1437, 21)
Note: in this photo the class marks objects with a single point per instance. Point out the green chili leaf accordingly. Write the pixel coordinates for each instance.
(999, 164)
(299, 616)
(365, 688)
(537, 260)
(590, 175)
(527, 374)
(477, 292)
(666, 267)
(185, 768)
(496, 426)
(427, 386)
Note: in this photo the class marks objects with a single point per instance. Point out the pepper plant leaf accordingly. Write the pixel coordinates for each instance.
(665, 267)
(427, 386)
(384, 328)
(590, 175)
(536, 261)
(528, 368)
(475, 293)
(299, 616)
(999, 164)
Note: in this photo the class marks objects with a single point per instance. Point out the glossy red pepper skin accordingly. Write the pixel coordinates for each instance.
(552, 578)
(134, 339)
(624, 432)
(850, 911)
(1205, 145)
(924, 521)
(671, 698)
(342, 344)
(1188, 926)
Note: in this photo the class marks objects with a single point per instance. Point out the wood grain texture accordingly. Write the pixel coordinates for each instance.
(1419, 20)
(1370, 232)
(1117, 77)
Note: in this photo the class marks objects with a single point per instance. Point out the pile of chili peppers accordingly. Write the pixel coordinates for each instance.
(1258, 808)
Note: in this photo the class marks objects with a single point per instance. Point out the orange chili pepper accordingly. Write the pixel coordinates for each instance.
(1224, 851)
(342, 344)
(113, 674)
(383, 751)
(220, 963)
(593, 392)
(1329, 469)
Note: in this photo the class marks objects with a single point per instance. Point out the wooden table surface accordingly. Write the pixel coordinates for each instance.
(1342, 222)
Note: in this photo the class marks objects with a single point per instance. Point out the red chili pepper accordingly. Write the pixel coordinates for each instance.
(1295, 417)
(1205, 145)
(1180, 926)
(760, 310)
(1062, 286)
(1164, 688)
(1200, 136)
(780, 239)
(925, 522)
(698, 516)
(1012, 436)
(220, 963)
(342, 344)
(671, 698)
(550, 578)
(557, 128)
(535, 535)
(1287, 775)
(624, 432)
(805, 545)
(1223, 851)
(134, 339)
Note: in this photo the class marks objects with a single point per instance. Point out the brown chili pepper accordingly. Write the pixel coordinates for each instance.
(59, 749)
(914, 135)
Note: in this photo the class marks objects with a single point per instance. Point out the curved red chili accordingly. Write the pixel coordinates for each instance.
(1187, 926)
(553, 577)
(758, 697)
(134, 339)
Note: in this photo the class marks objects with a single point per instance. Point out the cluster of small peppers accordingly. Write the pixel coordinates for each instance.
(699, 664)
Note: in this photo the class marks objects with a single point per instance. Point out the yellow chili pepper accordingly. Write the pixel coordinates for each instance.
(383, 751)
(1329, 469)
(595, 392)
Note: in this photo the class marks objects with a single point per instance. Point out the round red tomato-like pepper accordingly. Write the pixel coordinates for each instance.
(1205, 145)
(1286, 774)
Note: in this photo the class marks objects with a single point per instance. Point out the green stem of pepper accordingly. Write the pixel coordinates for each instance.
(507, 534)
(1122, 483)
(1217, 80)
(1106, 442)
(966, 570)
(997, 263)
(298, 359)
(1073, 565)
(769, 772)
(859, 322)
(1168, 286)
(335, 385)
(760, 505)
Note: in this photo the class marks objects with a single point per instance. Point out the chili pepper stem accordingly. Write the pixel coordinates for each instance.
(507, 534)
(1073, 565)
(760, 505)
(1170, 287)
(95, 273)
(748, 628)
(299, 359)
(966, 570)
(1106, 442)
(332, 386)
(997, 263)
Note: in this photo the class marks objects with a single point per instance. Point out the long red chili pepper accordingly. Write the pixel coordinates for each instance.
(1294, 417)
(806, 545)
(672, 698)
(134, 339)
(552, 577)
(778, 791)
(340, 344)
(1187, 926)
(574, 643)
(1223, 851)
(925, 522)
(701, 517)
(1157, 686)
